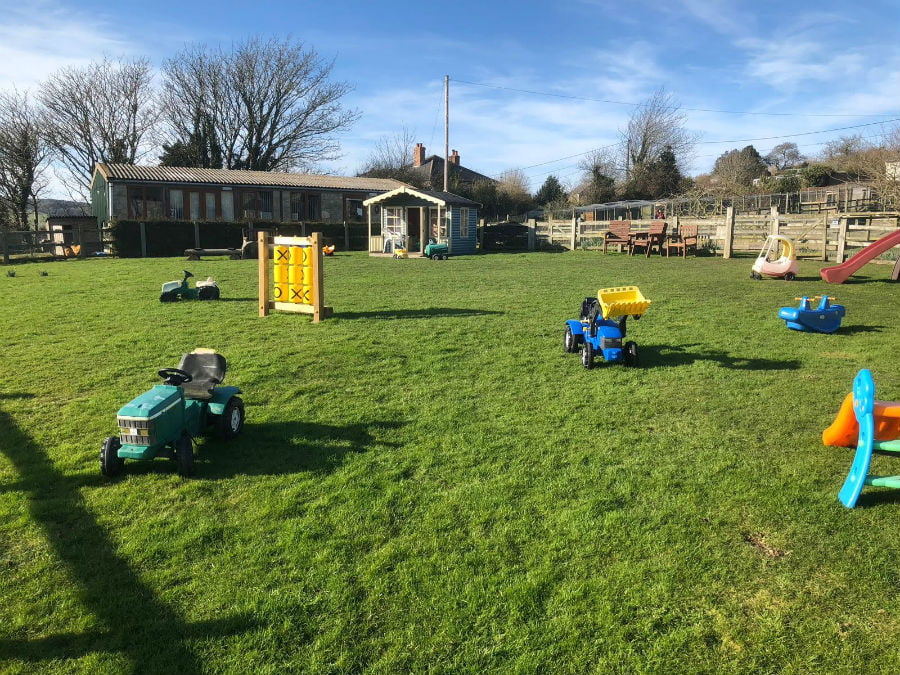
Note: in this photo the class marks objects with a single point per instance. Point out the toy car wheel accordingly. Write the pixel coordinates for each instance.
(631, 354)
(570, 346)
(231, 421)
(445, 257)
(790, 276)
(110, 462)
(587, 355)
(184, 455)
(436, 256)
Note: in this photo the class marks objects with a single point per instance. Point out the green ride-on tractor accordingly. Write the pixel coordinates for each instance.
(203, 290)
(164, 421)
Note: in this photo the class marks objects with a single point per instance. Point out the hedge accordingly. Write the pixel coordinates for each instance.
(169, 238)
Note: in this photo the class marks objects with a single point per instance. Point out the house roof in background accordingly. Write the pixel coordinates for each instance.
(174, 174)
(433, 170)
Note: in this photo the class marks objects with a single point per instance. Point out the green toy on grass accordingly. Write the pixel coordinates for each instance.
(163, 421)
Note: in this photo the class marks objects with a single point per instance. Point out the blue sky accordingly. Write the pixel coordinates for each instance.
(819, 66)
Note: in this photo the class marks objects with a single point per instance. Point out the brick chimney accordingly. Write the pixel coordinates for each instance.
(454, 157)
(418, 155)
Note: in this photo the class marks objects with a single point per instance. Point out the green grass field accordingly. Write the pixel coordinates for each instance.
(427, 483)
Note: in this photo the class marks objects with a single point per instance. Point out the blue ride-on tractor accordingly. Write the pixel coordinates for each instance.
(597, 334)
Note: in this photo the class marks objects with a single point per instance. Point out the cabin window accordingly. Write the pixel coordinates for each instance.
(464, 223)
(145, 202)
(210, 206)
(153, 202)
(176, 204)
(228, 206)
(136, 202)
(256, 204)
(314, 207)
(354, 210)
(296, 206)
(194, 200)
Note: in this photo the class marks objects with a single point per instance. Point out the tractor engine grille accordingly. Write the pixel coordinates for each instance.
(137, 431)
(610, 343)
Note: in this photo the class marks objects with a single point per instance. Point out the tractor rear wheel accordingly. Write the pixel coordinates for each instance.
(184, 455)
(208, 293)
(231, 421)
(110, 462)
(587, 355)
(168, 296)
(631, 354)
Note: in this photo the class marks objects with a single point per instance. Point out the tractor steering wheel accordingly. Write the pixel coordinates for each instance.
(174, 376)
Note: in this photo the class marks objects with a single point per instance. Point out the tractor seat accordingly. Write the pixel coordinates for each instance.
(207, 368)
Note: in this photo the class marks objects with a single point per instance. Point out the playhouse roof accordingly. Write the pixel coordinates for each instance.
(407, 196)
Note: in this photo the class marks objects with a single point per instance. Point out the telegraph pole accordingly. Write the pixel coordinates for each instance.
(446, 133)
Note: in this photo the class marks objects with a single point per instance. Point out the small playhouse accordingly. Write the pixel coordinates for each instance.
(410, 217)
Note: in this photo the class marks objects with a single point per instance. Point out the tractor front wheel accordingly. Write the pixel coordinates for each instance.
(569, 344)
(587, 355)
(110, 462)
(184, 455)
(231, 421)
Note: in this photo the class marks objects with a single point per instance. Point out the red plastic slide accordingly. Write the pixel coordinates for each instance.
(839, 273)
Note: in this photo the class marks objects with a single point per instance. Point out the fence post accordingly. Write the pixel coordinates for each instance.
(729, 232)
(532, 226)
(346, 236)
(5, 249)
(773, 223)
(143, 239)
(825, 237)
(196, 234)
(842, 239)
(574, 237)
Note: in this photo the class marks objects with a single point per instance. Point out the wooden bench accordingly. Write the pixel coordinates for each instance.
(195, 253)
(619, 233)
(655, 237)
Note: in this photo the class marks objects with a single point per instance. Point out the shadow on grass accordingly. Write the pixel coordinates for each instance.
(655, 356)
(424, 313)
(290, 447)
(135, 624)
(850, 330)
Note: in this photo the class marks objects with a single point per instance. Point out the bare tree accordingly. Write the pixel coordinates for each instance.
(654, 125)
(102, 112)
(271, 103)
(392, 157)
(23, 156)
(784, 156)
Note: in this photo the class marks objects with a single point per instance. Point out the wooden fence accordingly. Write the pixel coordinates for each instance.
(826, 236)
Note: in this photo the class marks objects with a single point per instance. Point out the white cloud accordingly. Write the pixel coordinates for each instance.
(37, 38)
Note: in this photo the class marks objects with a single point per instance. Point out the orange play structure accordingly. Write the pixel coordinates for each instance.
(844, 431)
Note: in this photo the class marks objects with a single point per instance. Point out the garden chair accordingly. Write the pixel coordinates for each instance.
(655, 237)
(684, 240)
(619, 233)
